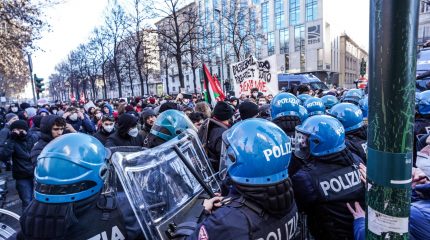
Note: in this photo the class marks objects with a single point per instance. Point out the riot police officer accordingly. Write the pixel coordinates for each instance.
(351, 117)
(69, 204)
(353, 96)
(167, 126)
(329, 101)
(285, 112)
(314, 106)
(261, 203)
(329, 180)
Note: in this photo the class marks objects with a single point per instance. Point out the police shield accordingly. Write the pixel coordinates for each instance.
(163, 184)
(9, 224)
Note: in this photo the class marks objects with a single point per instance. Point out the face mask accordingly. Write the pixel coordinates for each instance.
(109, 128)
(54, 111)
(22, 135)
(14, 109)
(133, 132)
(74, 117)
(263, 102)
(99, 115)
(255, 94)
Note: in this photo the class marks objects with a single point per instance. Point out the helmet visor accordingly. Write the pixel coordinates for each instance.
(226, 160)
(301, 145)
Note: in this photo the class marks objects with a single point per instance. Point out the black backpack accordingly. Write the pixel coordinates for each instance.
(204, 131)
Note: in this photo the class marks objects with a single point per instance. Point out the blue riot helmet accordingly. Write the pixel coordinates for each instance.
(255, 152)
(303, 98)
(423, 104)
(353, 96)
(329, 101)
(170, 124)
(284, 104)
(314, 106)
(349, 115)
(319, 135)
(303, 113)
(364, 106)
(70, 168)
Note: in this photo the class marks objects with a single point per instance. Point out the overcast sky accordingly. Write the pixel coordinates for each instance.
(71, 24)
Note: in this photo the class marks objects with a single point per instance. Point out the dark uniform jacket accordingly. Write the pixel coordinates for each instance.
(244, 221)
(356, 142)
(323, 187)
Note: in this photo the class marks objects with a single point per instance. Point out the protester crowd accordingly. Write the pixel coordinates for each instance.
(323, 136)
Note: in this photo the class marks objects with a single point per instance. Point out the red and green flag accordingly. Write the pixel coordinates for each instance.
(212, 88)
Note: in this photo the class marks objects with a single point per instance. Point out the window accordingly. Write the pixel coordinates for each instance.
(270, 43)
(265, 16)
(279, 14)
(173, 88)
(284, 40)
(258, 48)
(294, 12)
(188, 78)
(173, 78)
(299, 38)
(311, 10)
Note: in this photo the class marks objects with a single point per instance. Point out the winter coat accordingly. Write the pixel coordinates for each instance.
(46, 136)
(19, 149)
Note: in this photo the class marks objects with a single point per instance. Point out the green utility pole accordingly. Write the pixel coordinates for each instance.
(392, 64)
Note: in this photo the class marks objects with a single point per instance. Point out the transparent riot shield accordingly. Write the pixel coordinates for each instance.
(164, 183)
(9, 224)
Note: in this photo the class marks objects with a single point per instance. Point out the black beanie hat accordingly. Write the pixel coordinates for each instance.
(248, 110)
(19, 124)
(223, 111)
(168, 105)
(24, 105)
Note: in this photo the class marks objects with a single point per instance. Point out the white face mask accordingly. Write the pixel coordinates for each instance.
(14, 109)
(133, 132)
(54, 111)
(99, 115)
(255, 94)
(108, 128)
(74, 117)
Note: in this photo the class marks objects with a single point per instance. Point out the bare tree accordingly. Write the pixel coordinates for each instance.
(239, 28)
(115, 26)
(175, 30)
(99, 43)
(142, 10)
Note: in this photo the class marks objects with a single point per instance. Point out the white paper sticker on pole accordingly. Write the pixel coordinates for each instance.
(381, 223)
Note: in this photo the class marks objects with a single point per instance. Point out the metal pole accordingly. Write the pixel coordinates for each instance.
(392, 64)
(222, 59)
(30, 68)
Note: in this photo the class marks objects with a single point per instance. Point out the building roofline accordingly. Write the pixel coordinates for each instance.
(345, 35)
(180, 10)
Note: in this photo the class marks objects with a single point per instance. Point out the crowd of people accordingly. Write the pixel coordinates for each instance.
(286, 156)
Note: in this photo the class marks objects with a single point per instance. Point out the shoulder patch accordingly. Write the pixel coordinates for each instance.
(203, 234)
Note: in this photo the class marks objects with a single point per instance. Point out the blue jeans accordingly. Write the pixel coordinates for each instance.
(25, 188)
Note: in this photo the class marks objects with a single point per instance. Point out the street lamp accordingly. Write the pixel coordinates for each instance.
(220, 39)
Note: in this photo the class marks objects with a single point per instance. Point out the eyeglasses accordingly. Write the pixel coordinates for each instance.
(57, 129)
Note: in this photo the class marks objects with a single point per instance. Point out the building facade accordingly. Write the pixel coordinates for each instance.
(302, 34)
(424, 22)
